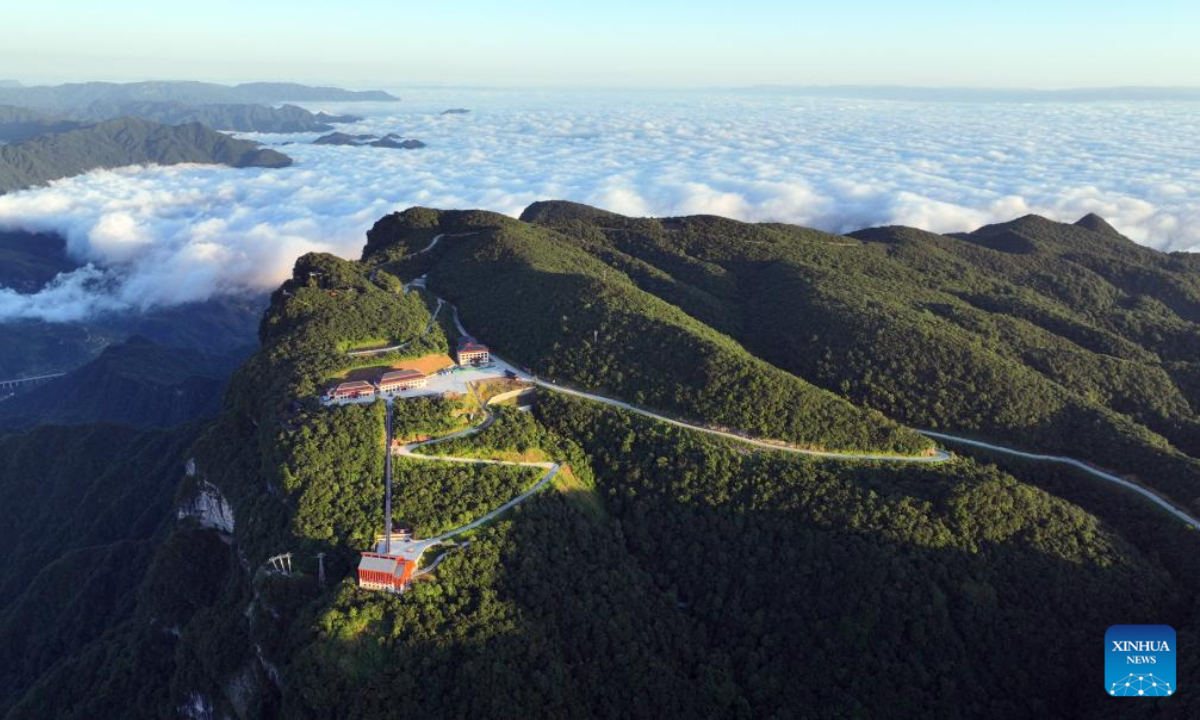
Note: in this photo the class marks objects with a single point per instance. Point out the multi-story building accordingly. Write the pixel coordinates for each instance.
(472, 353)
(402, 380)
(384, 572)
(352, 389)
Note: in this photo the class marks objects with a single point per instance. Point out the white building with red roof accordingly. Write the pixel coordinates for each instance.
(352, 389)
(472, 353)
(402, 380)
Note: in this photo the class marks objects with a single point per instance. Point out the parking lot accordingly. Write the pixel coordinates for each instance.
(453, 379)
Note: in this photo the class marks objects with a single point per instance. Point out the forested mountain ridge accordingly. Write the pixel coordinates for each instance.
(562, 312)
(18, 124)
(670, 574)
(125, 141)
(243, 117)
(85, 512)
(1067, 338)
(136, 383)
(221, 326)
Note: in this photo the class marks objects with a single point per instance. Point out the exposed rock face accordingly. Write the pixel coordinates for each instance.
(209, 507)
(241, 690)
(197, 707)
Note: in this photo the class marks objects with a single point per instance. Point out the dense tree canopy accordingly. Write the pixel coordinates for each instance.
(665, 573)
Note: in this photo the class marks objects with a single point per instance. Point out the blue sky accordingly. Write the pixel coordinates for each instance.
(1018, 43)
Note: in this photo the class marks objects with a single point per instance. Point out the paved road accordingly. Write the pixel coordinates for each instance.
(1078, 464)
(553, 468)
(458, 323)
(437, 238)
(938, 456)
(420, 546)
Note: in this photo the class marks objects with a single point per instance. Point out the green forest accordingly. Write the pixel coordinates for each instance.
(669, 574)
(559, 311)
(1066, 338)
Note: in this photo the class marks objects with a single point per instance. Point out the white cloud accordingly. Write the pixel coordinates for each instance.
(163, 236)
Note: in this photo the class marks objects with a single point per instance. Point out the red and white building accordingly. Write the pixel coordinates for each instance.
(472, 353)
(402, 380)
(352, 389)
(384, 572)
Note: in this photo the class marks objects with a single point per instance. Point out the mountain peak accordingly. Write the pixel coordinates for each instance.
(1095, 223)
(548, 211)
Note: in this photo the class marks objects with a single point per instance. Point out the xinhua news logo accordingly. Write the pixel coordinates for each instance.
(1139, 661)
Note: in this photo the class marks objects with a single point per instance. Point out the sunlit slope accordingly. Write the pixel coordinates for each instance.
(544, 302)
(1069, 338)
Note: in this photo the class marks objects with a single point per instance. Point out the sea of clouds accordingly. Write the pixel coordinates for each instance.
(159, 236)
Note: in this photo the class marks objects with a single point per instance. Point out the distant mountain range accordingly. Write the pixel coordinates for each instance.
(963, 94)
(18, 124)
(126, 141)
(78, 95)
(241, 117)
(138, 383)
(391, 140)
(218, 327)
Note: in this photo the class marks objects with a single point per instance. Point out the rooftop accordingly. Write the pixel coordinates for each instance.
(379, 563)
(402, 374)
(354, 385)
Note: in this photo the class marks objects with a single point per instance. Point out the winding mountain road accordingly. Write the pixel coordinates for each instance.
(415, 548)
(552, 468)
(437, 238)
(1079, 465)
(938, 456)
